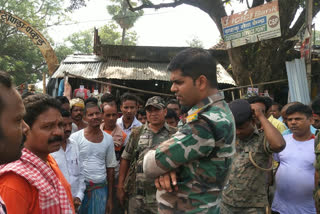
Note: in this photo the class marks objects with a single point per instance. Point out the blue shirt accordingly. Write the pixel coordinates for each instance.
(288, 131)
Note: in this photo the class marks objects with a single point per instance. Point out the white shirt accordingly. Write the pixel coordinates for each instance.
(135, 123)
(295, 178)
(68, 162)
(95, 158)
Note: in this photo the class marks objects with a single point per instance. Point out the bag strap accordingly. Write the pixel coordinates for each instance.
(265, 149)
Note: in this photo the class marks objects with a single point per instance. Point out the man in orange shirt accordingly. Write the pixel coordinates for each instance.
(12, 125)
(35, 181)
(110, 116)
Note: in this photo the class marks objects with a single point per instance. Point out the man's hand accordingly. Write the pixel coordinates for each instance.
(167, 182)
(109, 206)
(257, 110)
(121, 195)
(76, 203)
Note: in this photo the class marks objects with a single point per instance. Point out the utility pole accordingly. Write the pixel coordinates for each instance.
(309, 28)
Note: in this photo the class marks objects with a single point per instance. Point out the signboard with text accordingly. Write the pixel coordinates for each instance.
(253, 25)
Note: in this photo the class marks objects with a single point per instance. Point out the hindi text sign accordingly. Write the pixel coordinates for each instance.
(253, 25)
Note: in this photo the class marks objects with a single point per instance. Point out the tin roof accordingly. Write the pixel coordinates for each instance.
(94, 67)
(119, 69)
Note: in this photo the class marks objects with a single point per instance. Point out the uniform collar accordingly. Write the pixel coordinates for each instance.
(206, 102)
(166, 126)
(254, 133)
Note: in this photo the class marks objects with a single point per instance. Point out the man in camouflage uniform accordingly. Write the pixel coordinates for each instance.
(246, 191)
(142, 194)
(200, 152)
(316, 195)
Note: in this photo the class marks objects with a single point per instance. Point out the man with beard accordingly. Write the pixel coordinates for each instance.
(295, 175)
(128, 107)
(67, 158)
(12, 126)
(142, 195)
(35, 180)
(97, 160)
(76, 109)
(200, 153)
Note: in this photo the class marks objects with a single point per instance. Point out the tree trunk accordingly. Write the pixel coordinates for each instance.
(123, 36)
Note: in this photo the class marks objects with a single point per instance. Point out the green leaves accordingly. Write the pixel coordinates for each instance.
(121, 14)
(18, 55)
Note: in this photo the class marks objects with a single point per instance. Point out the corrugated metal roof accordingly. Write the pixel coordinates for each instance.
(223, 76)
(125, 70)
(87, 70)
(82, 58)
(118, 69)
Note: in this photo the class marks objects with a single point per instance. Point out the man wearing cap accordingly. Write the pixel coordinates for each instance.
(142, 193)
(76, 109)
(246, 190)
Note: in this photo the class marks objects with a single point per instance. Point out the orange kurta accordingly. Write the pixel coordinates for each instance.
(21, 197)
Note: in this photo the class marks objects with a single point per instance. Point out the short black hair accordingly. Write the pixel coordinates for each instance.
(65, 113)
(26, 94)
(90, 105)
(299, 108)
(194, 62)
(277, 104)
(142, 112)
(107, 98)
(38, 104)
(257, 99)
(6, 82)
(63, 99)
(174, 101)
(316, 106)
(172, 114)
(128, 96)
(91, 100)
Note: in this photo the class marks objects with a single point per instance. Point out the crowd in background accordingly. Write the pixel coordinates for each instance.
(84, 155)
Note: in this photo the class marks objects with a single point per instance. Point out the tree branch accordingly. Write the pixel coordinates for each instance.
(301, 20)
(256, 3)
(248, 4)
(155, 6)
(297, 26)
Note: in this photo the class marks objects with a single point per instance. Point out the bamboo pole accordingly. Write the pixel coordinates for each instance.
(120, 86)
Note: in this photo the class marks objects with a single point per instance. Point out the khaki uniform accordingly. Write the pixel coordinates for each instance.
(142, 199)
(246, 190)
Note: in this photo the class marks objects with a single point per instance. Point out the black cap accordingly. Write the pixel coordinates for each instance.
(241, 111)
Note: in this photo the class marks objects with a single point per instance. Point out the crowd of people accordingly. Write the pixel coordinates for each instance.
(193, 154)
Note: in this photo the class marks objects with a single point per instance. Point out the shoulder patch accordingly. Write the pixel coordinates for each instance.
(193, 116)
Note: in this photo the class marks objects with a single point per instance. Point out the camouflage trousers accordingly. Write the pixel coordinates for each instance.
(227, 209)
(137, 206)
(316, 197)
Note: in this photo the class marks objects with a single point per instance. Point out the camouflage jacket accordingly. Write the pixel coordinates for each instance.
(134, 152)
(247, 185)
(317, 168)
(201, 154)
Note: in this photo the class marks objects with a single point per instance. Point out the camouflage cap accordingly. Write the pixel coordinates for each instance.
(156, 102)
(241, 111)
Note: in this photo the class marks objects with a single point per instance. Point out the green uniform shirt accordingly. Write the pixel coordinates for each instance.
(201, 153)
(145, 189)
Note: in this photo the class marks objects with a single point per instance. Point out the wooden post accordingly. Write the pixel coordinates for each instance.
(309, 27)
(44, 83)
